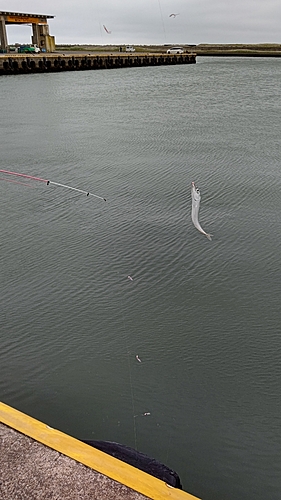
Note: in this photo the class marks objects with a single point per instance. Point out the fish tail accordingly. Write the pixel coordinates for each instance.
(209, 236)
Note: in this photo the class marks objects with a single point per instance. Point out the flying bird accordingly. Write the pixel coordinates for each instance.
(173, 15)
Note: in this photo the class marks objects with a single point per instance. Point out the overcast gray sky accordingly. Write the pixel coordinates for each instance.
(148, 21)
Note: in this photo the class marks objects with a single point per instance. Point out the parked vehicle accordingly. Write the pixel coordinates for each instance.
(26, 49)
(175, 50)
(130, 48)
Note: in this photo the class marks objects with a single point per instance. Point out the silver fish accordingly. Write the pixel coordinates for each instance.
(196, 198)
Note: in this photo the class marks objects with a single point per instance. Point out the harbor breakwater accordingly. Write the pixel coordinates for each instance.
(38, 63)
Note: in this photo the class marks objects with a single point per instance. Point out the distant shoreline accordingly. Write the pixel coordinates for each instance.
(246, 50)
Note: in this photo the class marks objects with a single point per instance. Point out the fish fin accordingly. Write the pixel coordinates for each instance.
(209, 236)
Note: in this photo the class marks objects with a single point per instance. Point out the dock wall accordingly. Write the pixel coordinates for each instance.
(26, 63)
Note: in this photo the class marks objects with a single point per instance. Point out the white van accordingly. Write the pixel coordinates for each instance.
(175, 50)
(130, 48)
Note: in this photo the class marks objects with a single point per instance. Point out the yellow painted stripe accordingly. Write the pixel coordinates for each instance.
(101, 462)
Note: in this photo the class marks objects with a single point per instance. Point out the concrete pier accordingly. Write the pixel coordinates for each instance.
(38, 462)
(13, 64)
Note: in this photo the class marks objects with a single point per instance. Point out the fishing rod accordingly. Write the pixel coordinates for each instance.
(48, 182)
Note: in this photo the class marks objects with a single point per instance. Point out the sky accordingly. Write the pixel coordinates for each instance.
(142, 22)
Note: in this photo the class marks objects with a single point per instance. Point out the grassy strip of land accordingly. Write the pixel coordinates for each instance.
(254, 50)
(112, 48)
(203, 49)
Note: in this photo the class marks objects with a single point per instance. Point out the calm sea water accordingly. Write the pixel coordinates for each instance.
(203, 317)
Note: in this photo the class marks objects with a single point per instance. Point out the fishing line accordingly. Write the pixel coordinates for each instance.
(16, 182)
(24, 175)
(128, 354)
(99, 21)
(48, 182)
(131, 382)
(161, 14)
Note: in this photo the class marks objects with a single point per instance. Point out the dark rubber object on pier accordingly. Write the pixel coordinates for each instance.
(138, 460)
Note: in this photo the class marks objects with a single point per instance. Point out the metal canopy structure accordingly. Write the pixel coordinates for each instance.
(40, 29)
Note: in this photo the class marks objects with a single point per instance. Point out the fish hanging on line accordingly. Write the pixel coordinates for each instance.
(130, 278)
(105, 29)
(196, 198)
(173, 15)
(138, 359)
(48, 182)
